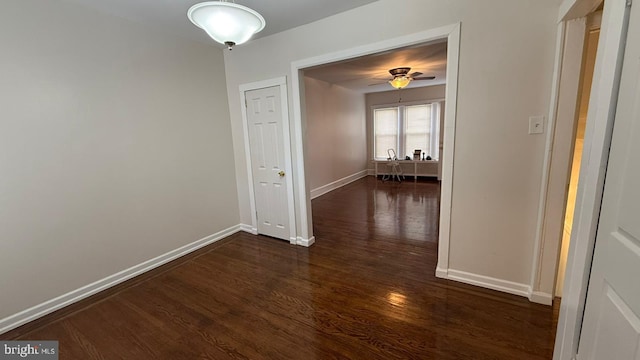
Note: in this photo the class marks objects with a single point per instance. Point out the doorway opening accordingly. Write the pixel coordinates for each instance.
(449, 33)
(584, 93)
(354, 118)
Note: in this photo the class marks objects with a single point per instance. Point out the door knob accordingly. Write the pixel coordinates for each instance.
(281, 173)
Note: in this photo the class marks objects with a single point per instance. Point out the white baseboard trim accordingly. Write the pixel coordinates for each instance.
(293, 240)
(371, 172)
(442, 273)
(541, 298)
(305, 242)
(338, 184)
(71, 297)
(489, 282)
(249, 228)
(495, 284)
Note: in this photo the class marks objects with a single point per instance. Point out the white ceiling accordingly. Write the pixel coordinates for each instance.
(171, 15)
(360, 73)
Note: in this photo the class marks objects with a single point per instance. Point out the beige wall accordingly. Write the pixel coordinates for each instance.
(336, 135)
(115, 148)
(391, 97)
(506, 65)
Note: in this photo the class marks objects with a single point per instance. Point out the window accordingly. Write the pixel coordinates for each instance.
(406, 128)
(386, 128)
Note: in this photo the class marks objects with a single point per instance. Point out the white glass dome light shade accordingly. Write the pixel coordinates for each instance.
(225, 22)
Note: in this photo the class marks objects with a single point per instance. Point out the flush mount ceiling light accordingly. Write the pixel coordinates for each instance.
(226, 22)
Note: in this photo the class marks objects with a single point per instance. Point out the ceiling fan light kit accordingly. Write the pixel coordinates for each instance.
(226, 22)
(402, 78)
(400, 82)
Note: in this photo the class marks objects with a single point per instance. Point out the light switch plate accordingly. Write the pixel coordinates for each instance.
(536, 125)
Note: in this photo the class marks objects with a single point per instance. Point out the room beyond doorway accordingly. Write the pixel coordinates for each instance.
(452, 34)
(391, 212)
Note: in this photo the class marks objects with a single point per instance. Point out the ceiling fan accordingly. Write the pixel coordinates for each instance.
(402, 78)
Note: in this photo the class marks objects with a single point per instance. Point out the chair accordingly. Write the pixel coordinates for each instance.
(396, 169)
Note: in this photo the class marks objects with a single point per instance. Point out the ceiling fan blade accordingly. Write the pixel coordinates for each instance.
(425, 78)
(376, 84)
(415, 74)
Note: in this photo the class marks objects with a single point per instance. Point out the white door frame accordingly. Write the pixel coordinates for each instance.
(449, 32)
(566, 80)
(571, 35)
(600, 118)
(563, 117)
(281, 82)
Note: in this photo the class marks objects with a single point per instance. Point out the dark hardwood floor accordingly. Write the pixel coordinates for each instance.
(365, 290)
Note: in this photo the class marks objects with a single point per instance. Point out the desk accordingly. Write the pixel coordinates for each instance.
(426, 167)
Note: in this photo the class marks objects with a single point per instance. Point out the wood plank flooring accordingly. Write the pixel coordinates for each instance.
(365, 290)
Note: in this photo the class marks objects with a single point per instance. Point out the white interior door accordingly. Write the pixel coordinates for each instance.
(266, 138)
(611, 327)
